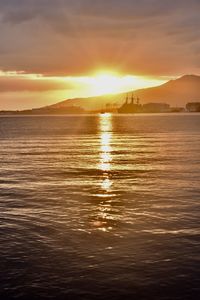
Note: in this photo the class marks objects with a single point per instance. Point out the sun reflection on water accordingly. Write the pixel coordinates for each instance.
(106, 184)
(103, 217)
(105, 152)
(105, 128)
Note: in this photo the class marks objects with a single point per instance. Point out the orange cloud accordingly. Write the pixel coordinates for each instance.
(74, 37)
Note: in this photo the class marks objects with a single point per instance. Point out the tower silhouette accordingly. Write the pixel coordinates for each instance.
(132, 99)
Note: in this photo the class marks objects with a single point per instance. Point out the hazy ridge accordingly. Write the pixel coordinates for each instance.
(175, 92)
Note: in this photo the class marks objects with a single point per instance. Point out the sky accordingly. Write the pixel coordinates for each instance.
(53, 50)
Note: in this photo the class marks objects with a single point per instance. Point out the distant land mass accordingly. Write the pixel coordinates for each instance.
(175, 92)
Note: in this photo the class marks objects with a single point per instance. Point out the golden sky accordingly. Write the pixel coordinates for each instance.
(53, 50)
(23, 91)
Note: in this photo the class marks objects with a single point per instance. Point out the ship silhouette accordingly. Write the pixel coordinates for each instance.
(131, 105)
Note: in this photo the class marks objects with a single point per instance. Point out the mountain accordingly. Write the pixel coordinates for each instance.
(175, 92)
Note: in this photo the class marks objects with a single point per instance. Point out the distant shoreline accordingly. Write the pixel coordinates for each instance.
(97, 113)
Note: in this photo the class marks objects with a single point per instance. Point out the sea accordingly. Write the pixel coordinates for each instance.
(100, 207)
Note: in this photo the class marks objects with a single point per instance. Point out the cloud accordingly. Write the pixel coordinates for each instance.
(74, 37)
(30, 83)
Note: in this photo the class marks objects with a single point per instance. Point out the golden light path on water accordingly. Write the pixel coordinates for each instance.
(105, 149)
(104, 214)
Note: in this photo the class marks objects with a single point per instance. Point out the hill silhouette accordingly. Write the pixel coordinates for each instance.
(174, 92)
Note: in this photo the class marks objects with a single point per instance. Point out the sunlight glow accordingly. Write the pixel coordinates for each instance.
(47, 90)
(107, 82)
(95, 84)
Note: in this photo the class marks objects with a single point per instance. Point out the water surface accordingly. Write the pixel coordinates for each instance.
(100, 207)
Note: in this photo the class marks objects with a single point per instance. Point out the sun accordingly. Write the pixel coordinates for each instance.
(110, 82)
(105, 84)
